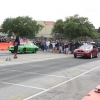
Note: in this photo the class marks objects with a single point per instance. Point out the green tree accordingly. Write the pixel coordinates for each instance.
(23, 26)
(58, 26)
(98, 30)
(58, 30)
(6, 26)
(75, 27)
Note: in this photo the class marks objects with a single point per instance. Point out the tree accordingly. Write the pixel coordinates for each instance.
(23, 26)
(98, 30)
(75, 27)
(58, 28)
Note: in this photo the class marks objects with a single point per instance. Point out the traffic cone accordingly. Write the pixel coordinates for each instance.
(8, 59)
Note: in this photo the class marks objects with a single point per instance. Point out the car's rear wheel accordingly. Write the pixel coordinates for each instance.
(75, 56)
(91, 56)
(97, 55)
(23, 51)
(12, 51)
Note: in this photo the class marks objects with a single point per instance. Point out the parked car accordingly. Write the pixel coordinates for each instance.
(25, 47)
(86, 51)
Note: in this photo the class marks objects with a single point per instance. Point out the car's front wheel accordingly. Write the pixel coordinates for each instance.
(35, 50)
(75, 56)
(91, 56)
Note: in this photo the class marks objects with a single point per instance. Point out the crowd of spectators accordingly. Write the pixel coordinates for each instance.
(60, 46)
(4, 39)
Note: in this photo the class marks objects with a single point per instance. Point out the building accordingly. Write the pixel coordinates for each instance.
(46, 31)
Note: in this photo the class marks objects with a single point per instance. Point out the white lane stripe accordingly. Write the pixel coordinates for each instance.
(23, 85)
(60, 84)
(37, 73)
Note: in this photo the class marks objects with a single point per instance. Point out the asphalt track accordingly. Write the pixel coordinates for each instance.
(47, 76)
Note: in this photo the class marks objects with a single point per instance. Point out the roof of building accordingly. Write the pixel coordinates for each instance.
(49, 22)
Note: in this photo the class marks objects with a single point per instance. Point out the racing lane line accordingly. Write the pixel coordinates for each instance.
(37, 73)
(60, 84)
(22, 85)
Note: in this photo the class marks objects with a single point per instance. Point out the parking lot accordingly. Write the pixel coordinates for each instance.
(47, 76)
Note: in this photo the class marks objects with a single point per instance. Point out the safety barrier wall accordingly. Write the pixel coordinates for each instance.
(93, 95)
(4, 46)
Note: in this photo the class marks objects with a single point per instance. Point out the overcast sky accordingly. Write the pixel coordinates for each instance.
(51, 10)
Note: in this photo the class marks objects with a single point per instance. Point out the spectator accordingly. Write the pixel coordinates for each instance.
(60, 46)
(53, 46)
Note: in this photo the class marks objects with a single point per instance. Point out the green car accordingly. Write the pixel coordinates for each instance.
(25, 47)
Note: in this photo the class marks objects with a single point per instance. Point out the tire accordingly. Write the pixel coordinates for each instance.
(75, 56)
(97, 55)
(12, 51)
(35, 50)
(91, 56)
(23, 51)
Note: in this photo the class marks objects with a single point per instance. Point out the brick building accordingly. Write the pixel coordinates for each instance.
(46, 31)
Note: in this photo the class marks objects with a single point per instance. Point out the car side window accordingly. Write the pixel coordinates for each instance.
(94, 47)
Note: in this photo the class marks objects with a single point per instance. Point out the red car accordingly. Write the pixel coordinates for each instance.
(86, 51)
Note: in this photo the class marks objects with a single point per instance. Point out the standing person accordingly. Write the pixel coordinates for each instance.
(56, 46)
(47, 45)
(16, 43)
(60, 46)
(53, 46)
(66, 48)
(43, 45)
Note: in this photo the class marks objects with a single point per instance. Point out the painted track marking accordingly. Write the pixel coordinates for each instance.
(60, 84)
(22, 85)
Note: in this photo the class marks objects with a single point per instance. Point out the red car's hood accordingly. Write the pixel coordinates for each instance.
(83, 49)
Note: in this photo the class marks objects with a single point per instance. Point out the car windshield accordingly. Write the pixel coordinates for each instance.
(21, 44)
(29, 43)
(86, 47)
(26, 43)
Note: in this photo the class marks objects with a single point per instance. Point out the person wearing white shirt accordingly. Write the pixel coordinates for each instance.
(53, 46)
(47, 45)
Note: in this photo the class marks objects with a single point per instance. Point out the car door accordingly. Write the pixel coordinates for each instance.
(29, 47)
(26, 47)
